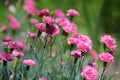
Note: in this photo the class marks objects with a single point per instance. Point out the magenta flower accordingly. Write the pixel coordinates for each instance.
(89, 73)
(42, 78)
(109, 42)
(29, 62)
(20, 44)
(33, 21)
(59, 13)
(29, 6)
(106, 57)
(85, 43)
(6, 57)
(94, 55)
(43, 12)
(72, 40)
(53, 30)
(76, 54)
(17, 54)
(72, 12)
(41, 27)
(48, 19)
(7, 39)
(92, 64)
(31, 35)
(14, 24)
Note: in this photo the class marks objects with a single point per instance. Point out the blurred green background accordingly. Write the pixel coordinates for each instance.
(97, 17)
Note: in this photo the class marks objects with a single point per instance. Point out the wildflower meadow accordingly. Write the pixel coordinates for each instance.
(49, 44)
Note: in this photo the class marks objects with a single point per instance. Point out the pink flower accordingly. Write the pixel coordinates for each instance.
(31, 35)
(109, 42)
(41, 27)
(17, 54)
(89, 73)
(33, 21)
(48, 19)
(6, 2)
(106, 57)
(62, 63)
(53, 30)
(68, 27)
(85, 43)
(94, 55)
(72, 40)
(42, 78)
(29, 6)
(11, 77)
(20, 44)
(43, 12)
(6, 56)
(14, 24)
(72, 12)
(59, 13)
(29, 62)
(7, 39)
(3, 28)
(92, 64)
(76, 54)
(11, 9)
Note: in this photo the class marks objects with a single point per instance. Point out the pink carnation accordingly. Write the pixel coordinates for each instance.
(76, 54)
(59, 13)
(7, 39)
(85, 43)
(31, 35)
(6, 57)
(109, 42)
(42, 78)
(72, 40)
(89, 73)
(33, 21)
(92, 64)
(14, 24)
(43, 12)
(3, 28)
(106, 57)
(53, 30)
(41, 27)
(72, 12)
(20, 44)
(29, 62)
(48, 19)
(17, 54)
(94, 55)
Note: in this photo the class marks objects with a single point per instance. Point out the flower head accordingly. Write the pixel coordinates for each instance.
(59, 13)
(72, 12)
(48, 19)
(41, 27)
(76, 54)
(106, 57)
(3, 28)
(109, 42)
(33, 21)
(17, 54)
(31, 35)
(29, 62)
(43, 12)
(72, 40)
(6, 56)
(89, 73)
(94, 55)
(42, 78)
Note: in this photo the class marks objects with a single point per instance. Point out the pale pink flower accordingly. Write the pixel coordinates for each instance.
(72, 12)
(33, 21)
(42, 78)
(89, 73)
(68, 27)
(62, 63)
(29, 62)
(109, 42)
(6, 57)
(59, 13)
(41, 27)
(29, 6)
(48, 19)
(31, 35)
(53, 30)
(85, 43)
(17, 54)
(5, 44)
(14, 24)
(11, 9)
(94, 55)
(106, 57)
(72, 40)
(11, 77)
(43, 12)
(3, 28)
(76, 54)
